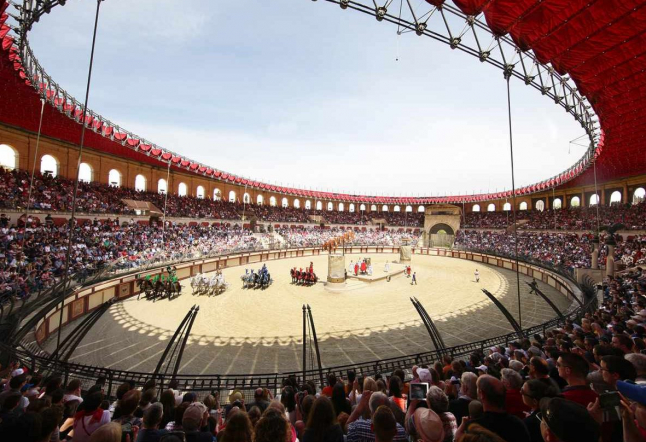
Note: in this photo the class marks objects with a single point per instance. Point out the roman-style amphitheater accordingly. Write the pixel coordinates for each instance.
(126, 263)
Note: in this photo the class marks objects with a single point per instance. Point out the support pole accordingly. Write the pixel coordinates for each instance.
(417, 306)
(195, 311)
(76, 182)
(506, 313)
(432, 325)
(508, 71)
(316, 344)
(304, 343)
(536, 290)
(172, 341)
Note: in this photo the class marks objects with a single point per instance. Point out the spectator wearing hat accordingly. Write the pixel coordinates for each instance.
(514, 404)
(438, 402)
(152, 418)
(574, 370)
(533, 391)
(193, 421)
(491, 392)
(633, 411)
(615, 368)
(563, 420)
(360, 430)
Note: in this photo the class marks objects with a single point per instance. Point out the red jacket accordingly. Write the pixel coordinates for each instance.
(581, 394)
(515, 405)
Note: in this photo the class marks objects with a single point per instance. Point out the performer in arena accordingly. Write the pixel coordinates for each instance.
(311, 267)
(387, 267)
(364, 267)
(356, 269)
(414, 280)
(477, 275)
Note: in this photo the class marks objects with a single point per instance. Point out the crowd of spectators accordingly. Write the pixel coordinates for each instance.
(314, 237)
(33, 255)
(560, 249)
(632, 216)
(583, 382)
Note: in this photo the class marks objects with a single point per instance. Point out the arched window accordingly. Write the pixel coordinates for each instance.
(272, 201)
(330, 206)
(540, 205)
(85, 173)
(199, 192)
(182, 189)
(506, 207)
(308, 205)
(246, 198)
(594, 199)
(260, 200)
(285, 203)
(297, 203)
(557, 204)
(49, 165)
(140, 183)
(421, 209)
(491, 207)
(8, 157)
(575, 202)
(475, 208)
(217, 195)
(373, 208)
(397, 209)
(384, 208)
(319, 205)
(409, 208)
(162, 186)
(351, 208)
(615, 197)
(523, 206)
(639, 195)
(114, 178)
(232, 196)
(362, 207)
(341, 207)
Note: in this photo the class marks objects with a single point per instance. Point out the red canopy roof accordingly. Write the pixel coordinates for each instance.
(599, 44)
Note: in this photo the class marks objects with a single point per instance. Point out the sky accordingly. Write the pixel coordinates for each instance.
(304, 94)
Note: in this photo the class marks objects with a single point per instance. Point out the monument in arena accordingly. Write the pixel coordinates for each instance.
(405, 253)
(336, 268)
(441, 223)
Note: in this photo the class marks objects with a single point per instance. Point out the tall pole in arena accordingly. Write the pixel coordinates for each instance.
(508, 71)
(70, 235)
(166, 198)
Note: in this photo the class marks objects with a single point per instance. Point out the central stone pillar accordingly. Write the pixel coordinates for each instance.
(405, 254)
(335, 268)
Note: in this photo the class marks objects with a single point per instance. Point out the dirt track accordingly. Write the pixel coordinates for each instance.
(254, 331)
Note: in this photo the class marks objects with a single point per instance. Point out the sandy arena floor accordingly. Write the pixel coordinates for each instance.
(254, 331)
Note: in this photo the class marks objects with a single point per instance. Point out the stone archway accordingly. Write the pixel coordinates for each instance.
(441, 228)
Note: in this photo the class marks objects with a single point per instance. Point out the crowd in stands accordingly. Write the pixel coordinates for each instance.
(33, 255)
(633, 217)
(584, 382)
(317, 237)
(568, 250)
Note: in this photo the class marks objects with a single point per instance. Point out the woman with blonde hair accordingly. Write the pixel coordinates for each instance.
(110, 433)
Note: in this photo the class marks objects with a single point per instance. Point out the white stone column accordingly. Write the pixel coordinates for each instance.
(336, 268)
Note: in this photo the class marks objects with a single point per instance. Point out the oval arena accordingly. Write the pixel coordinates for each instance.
(186, 280)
